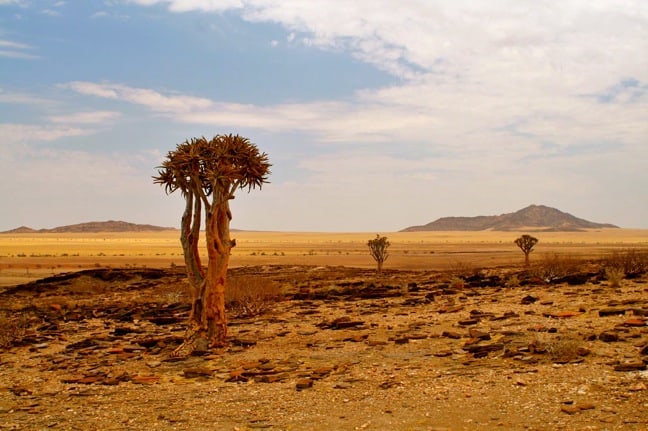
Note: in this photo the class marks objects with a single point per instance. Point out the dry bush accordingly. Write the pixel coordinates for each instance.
(614, 276)
(462, 270)
(457, 283)
(552, 267)
(249, 296)
(513, 281)
(565, 349)
(631, 262)
(12, 328)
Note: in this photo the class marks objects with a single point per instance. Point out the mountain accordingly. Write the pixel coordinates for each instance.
(532, 218)
(94, 226)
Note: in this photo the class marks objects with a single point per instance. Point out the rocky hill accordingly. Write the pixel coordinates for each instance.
(95, 226)
(532, 218)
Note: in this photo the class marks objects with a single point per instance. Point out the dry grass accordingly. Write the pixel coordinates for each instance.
(630, 262)
(553, 266)
(24, 257)
(249, 296)
(566, 349)
(13, 328)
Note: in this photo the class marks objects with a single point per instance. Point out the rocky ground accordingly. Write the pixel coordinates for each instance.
(341, 350)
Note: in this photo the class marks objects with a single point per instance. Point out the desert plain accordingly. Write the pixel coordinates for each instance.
(455, 334)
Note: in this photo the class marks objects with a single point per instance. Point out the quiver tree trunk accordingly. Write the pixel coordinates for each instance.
(207, 326)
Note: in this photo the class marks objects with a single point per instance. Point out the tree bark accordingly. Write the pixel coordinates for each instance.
(208, 320)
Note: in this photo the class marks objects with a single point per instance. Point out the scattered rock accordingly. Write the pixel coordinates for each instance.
(630, 366)
(194, 372)
(304, 384)
(611, 312)
(608, 336)
(528, 300)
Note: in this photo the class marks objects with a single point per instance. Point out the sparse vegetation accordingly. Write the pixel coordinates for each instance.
(553, 266)
(249, 296)
(12, 328)
(632, 262)
(565, 349)
(614, 276)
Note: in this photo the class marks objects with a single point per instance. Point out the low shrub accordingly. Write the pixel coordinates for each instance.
(12, 328)
(631, 262)
(565, 349)
(552, 267)
(249, 296)
(614, 276)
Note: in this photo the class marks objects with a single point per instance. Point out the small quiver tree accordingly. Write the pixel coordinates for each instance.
(526, 244)
(378, 250)
(208, 173)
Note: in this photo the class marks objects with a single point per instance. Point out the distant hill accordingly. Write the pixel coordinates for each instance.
(94, 226)
(532, 218)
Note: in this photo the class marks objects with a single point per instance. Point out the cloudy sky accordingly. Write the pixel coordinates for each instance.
(376, 115)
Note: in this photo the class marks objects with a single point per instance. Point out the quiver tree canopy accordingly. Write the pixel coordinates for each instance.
(208, 173)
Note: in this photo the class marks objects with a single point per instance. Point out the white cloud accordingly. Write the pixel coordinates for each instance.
(89, 117)
(151, 99)
(13, 133)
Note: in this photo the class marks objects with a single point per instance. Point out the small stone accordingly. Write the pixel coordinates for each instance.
(638, 387)
(476, 333)
(468, 322)
(194, 372)
(451, 334)
(634, 322)
(376, 342)
(528, 300)
(569, 409)
(608, 336)
(342, 385)
(304, 384)
(563, 314)
(145, 380)
(631, 366)
(586, 406)
(611, 312)
(237, 376)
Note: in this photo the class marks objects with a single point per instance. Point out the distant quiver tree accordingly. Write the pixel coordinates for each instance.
(378, 250)
(526, 244)
(208, 173)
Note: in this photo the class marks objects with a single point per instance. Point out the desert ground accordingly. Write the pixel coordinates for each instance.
(455, 334)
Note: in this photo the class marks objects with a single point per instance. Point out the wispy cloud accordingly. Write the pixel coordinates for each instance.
(151, 99)
(92, 117)
(14, 133)
(11, 49)
(25, 99)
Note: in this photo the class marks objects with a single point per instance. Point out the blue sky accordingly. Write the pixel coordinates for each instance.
(375, 118)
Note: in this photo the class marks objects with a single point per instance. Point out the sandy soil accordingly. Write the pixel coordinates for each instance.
(342, 350)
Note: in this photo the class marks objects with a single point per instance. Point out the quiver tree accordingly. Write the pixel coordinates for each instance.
(208, 173)
(526, 244)
(378, 250)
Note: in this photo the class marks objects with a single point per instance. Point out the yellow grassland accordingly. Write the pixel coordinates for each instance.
(24, 257)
